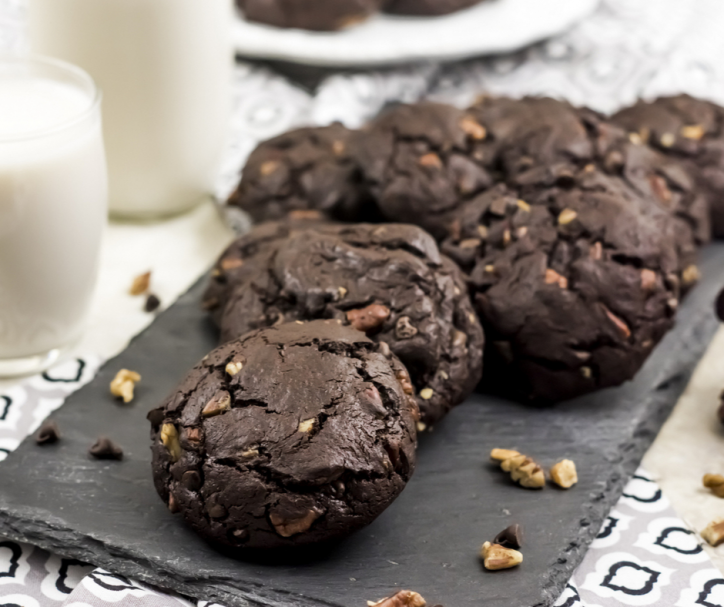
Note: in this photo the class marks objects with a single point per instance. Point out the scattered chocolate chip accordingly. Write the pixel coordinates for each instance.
(510, 537)
(48, 434)
(105, 448)
(719, 306)
(152, 303)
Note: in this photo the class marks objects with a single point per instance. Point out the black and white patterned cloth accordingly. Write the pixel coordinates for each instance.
(644, 554)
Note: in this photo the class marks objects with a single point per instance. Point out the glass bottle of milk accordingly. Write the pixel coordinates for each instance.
(164, 67)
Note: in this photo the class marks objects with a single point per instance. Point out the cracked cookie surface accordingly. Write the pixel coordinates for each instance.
(422, 161)
(574, 285)
(307, 169)
(289, 436)
(689, 130)
(388, 280)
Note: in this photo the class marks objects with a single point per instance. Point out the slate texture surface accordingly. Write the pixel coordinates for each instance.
(108, 514)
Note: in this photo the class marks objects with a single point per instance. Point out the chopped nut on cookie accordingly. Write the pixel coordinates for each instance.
(123, 384)
(564, 474)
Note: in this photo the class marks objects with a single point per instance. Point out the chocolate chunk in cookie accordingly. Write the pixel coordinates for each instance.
(574, 284)
(422, 161)
(288, 436)
(691, 131)
(427, 7)
(309, 14)
(387, 280)
(305, 170)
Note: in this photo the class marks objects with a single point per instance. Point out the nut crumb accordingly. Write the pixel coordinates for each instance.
(564, 474)
(220, 403)
(404, 329)
(140, 284)
(648, 279)
(268, 167)
(431, 160)
(231, 263)
(342, 292)
(426, 393)
(290, 527)
(123, 384)
(404, 598)
(169, 438)
(693, 131)
(234, 367)
(473, 128)
(421, 426)
(667, 140)
(523, 470)
(497, 557)
(690, 275)
(250, 453)
(553, 278)
(566, 216)
(619, 322)
(307, 425)
(368, 318)
(714, 532)
(523, 206)
(715, 482)
(470, 243)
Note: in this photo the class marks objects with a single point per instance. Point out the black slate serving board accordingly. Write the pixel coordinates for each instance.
(108, 514)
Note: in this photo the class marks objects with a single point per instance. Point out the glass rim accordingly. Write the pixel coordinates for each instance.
(63, 67)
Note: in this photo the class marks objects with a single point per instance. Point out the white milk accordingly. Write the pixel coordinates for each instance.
(53, 205)
(164, 67)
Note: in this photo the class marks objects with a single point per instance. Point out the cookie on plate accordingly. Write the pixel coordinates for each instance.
(319, 15)
(574, 284)
(307, 169)
(690, 130)
(540, 141)
(290, 436)
(427, 7)
(422, 161)
(388, 280)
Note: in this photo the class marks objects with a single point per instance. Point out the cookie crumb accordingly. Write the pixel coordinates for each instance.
(140, 284)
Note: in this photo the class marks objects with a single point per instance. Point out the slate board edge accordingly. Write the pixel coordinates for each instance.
(672, 381)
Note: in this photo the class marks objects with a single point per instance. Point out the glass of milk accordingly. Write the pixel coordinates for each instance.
(165, 69)
(53, 207)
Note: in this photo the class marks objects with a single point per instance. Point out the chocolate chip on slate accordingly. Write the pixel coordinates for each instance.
(105, 448)
(510, 537)
(152, 303)
(48, 434)
(719, 306)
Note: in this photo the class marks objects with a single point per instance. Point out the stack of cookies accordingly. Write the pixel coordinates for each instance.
(323, 15)
(352, 316)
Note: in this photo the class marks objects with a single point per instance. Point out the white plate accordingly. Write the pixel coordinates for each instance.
(494, 26)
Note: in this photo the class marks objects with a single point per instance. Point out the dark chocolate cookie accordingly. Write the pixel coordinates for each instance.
(289, 436)
(307, 169)
(690, 130)
(387, 280)
(574, 284)
(423, 161)
(542, 142)
(427, 7)
(320, 15)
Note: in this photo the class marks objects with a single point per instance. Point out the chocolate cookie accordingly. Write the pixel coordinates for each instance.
(289, 436)
(543, 141)
(574, 285)
(427, 7)
(387, 280)
(690, 130)
(423, 161)
(309, 14)
(308, 169)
